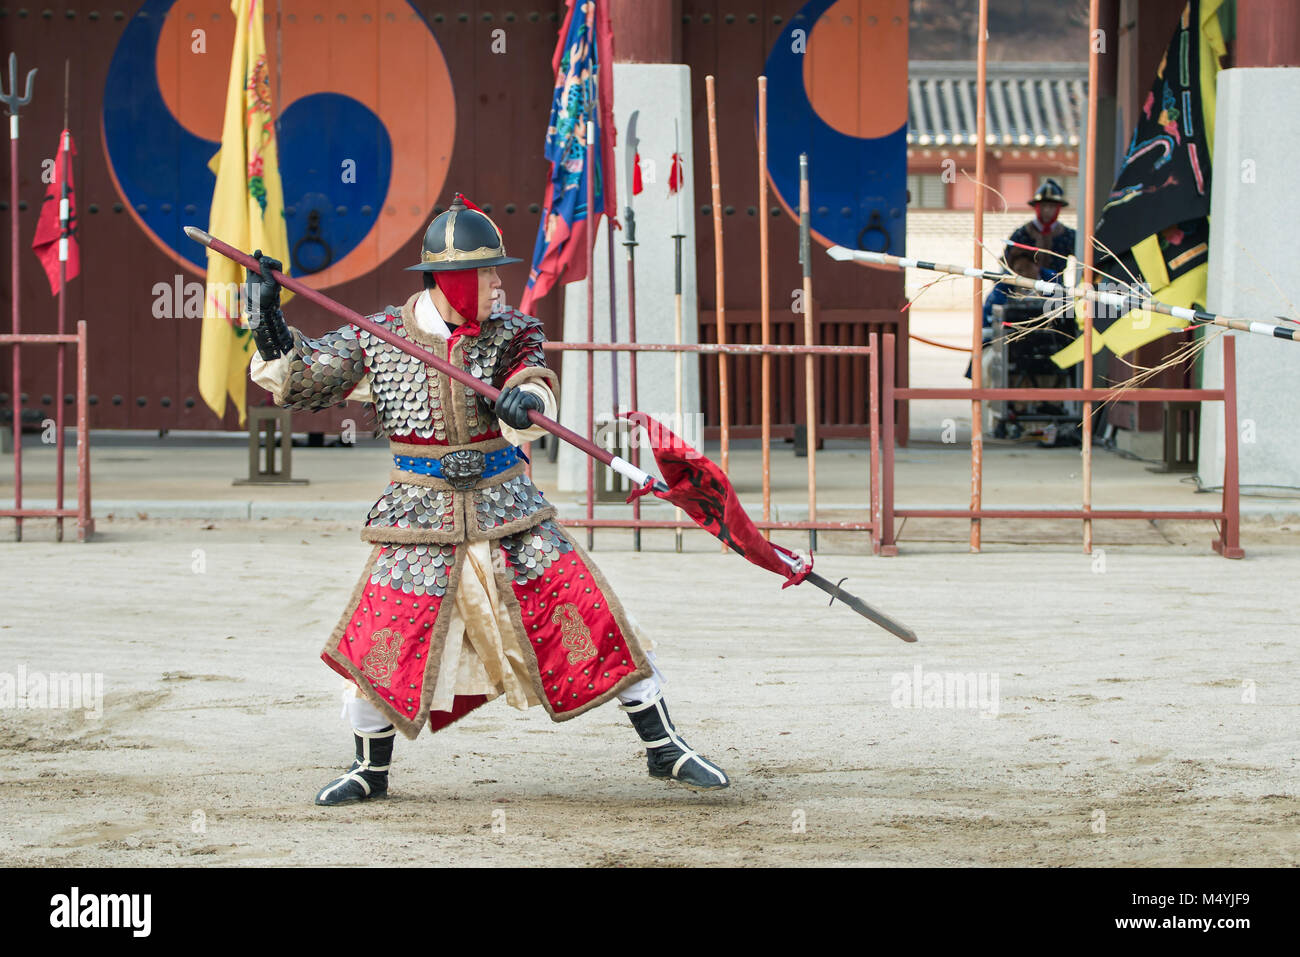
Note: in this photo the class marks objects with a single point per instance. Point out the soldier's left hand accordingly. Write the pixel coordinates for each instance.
(513, 405)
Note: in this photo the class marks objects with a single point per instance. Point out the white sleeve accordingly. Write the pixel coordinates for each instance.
(273, 376)
(520, 436)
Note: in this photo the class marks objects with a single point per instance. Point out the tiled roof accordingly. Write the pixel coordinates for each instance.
(1030, 105)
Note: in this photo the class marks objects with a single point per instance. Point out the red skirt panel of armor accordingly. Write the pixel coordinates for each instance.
(580, 647)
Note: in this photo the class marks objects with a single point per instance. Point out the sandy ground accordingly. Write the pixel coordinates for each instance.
(1146, 712)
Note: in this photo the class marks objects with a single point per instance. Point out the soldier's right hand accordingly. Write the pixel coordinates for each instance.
(265, 320)
(263, 291)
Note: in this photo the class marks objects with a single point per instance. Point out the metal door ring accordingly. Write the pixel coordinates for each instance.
(312, 236)
(874, 224)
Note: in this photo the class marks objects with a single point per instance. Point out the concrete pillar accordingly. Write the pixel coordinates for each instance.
(662, 93)
(1253, 209)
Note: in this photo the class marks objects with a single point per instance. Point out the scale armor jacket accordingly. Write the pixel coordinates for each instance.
(426, 414)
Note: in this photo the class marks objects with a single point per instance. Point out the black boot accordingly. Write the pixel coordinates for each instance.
(667, 755)
(368, 776)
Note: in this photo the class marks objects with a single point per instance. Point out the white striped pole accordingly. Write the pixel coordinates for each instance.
(1122, 300)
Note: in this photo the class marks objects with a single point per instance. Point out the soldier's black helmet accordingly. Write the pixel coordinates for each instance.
(1049, 192)
(462, 238)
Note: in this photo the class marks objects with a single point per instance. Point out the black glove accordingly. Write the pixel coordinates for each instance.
(513, 405)
(265, 320)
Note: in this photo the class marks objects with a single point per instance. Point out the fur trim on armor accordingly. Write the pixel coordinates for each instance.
(438, 451)
(458, 533)
(532, 374)
(411, 329)
(384, 535)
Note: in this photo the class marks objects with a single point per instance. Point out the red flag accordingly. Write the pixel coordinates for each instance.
(675, 175)
(701, 489)
(54, 230)
(636, 174)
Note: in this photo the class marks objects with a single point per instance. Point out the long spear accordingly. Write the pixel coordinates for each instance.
(65, 232)
(675, 177)
(1125, 301)
(629, 244)
(14, 101)
(726, 525)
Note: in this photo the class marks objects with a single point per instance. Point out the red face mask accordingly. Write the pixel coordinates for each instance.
(460, 286)
(1047, 213)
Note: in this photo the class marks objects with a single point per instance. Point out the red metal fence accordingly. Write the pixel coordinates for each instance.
(85, 524)
(881, 396)
(1228, 515)
(870, 352)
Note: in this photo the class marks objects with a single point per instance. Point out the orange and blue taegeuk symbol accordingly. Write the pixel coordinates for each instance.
(366, 122)
(837, 90)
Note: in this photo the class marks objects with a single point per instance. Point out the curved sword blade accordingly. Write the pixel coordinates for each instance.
(630, 146)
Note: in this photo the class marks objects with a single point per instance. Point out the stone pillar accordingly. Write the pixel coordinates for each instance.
(662, 94)
(1254, 207)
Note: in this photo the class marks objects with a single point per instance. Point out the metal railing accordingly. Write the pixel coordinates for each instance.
(85, 524)
(766, 523)
(1228, 544)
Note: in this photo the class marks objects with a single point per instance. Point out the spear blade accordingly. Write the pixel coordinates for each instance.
(862, 608)
(630, 147)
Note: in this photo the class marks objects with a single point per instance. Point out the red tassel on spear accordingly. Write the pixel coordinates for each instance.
(696, 485)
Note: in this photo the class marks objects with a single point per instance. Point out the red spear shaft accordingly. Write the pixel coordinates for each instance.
(424, 355)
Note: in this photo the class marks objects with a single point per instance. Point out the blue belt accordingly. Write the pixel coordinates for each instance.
(494, 463)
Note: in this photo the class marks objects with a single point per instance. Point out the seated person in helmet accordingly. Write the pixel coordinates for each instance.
(1052, 240)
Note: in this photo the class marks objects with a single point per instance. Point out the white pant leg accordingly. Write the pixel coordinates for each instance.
(364, 716)
(646, 688)
(360, 713)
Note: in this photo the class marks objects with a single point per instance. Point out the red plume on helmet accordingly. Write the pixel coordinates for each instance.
(462, 198)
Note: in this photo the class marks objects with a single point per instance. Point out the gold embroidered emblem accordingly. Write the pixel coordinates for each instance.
(577, 636)
(380, 661)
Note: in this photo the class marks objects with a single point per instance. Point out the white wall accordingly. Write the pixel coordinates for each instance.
(1254, 208)
(661, 92)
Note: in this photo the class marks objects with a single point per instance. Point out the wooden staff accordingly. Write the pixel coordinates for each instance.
(14, 102)
(720, 292)
(765, 307)
(613, 321)
(679, 237)
(977, 294)
(629, 245)
(65, 232)
(809, 363)
(1090, 166)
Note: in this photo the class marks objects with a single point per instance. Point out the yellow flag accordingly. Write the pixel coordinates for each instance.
(247, 212)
